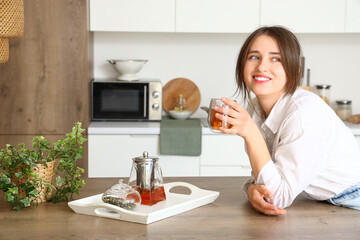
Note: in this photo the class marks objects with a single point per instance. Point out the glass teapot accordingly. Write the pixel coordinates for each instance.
(146, 178)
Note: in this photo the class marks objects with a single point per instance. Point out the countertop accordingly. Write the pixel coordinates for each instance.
(134, 127)
(154, 128)
(229, 217)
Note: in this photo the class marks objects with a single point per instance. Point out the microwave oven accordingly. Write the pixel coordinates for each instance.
(114, 100)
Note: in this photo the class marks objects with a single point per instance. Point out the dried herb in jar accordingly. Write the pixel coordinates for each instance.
(122, 195)
(120, 202)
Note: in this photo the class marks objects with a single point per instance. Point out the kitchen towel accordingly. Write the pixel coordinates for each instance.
(180, 137)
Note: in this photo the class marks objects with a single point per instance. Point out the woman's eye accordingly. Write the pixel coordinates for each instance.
(254, 57)
(276, 59)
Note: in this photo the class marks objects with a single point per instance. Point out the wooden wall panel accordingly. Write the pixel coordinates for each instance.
(44, 87)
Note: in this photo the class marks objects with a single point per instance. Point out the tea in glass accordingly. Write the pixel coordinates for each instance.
(214, 123)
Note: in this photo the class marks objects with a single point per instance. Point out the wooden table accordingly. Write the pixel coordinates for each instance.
(229, 217)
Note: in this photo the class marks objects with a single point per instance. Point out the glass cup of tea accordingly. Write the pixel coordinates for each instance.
(214, 123)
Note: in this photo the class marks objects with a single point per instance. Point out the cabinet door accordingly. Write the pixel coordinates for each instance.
(306, 16)
(224, 155)
(111, 156)
(358, 139)
(220, 16)
(220, 171)
(352, 16)
(132, 15)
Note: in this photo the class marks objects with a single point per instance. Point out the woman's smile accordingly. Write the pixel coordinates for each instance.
(261, 79)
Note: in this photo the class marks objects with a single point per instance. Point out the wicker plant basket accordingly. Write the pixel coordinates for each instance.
(4, 50)
(47, 173)
(11, 18)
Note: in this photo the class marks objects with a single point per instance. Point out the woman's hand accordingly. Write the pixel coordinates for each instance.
(256, 194)
(244, 126)
(238, 117)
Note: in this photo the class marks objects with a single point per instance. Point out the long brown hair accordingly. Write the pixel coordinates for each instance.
(290, 52)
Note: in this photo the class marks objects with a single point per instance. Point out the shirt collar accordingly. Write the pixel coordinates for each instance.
(273, 121)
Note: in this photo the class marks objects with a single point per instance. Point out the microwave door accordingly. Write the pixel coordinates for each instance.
(120, 102)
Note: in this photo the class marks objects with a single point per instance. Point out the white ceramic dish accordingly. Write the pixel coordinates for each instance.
(175, 203)
(127, 68)
(180, 115)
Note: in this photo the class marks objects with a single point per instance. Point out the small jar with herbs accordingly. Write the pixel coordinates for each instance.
(122, 195)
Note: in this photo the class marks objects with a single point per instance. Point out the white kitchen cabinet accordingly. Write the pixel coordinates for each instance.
(306, 16)
(358, 139)
(218, 171)
(224, 155)
(132, 15)
(224, 16)
(111, 156)
(223, 149)
(352, 16)
(220, 16)
(113, 145)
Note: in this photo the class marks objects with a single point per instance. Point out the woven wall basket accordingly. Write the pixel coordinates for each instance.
(4, 49)
(11, 18)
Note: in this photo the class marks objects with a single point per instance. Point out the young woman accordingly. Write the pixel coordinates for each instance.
(294, 140)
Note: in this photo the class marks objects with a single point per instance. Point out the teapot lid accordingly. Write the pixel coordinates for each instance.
(145, 158)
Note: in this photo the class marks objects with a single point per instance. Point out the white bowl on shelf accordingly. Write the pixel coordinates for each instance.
(127, 68)
(180, 115)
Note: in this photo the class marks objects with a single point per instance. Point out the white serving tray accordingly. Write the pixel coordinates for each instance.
(175, 203)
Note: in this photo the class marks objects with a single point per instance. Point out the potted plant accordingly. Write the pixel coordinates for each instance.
(27, 175)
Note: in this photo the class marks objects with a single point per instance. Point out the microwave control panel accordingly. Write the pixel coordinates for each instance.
(155, 100)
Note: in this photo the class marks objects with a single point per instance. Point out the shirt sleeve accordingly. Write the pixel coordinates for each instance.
(295, 162)
(247, 184)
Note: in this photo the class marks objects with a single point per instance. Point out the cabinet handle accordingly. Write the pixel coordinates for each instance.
(145, 102)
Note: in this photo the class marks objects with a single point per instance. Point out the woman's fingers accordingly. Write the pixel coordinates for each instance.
(270, 210)
(264, 191)
(235, 105)
(233, 110)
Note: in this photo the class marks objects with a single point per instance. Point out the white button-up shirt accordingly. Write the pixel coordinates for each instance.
(312, 151)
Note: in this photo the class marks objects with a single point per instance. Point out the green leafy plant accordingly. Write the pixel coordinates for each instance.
(23, 186)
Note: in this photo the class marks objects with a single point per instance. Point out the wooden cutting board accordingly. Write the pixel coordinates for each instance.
(183, 86)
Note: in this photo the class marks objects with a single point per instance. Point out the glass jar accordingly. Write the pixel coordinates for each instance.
(180, 106)
(324, 92)
(343, 109)
(122, 195)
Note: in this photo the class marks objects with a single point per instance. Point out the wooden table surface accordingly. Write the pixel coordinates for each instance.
(229, 217)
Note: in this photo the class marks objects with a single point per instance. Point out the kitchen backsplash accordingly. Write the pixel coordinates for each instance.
(209, 60)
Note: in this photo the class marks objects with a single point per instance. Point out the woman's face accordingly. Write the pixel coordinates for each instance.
(263, 72)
